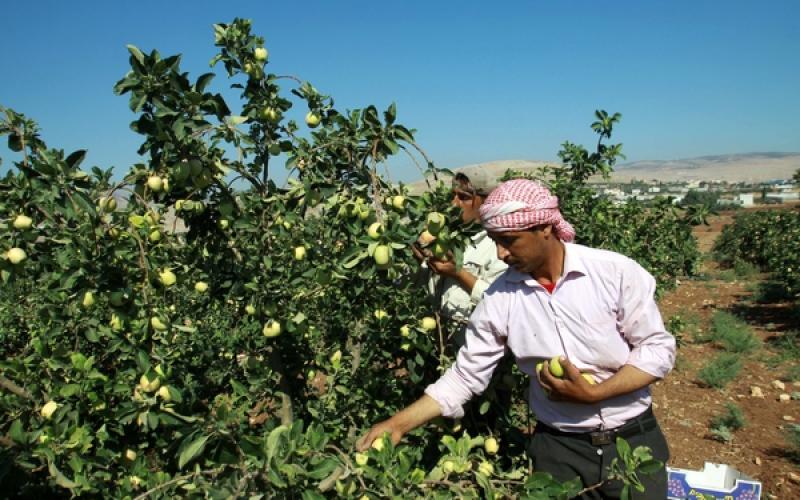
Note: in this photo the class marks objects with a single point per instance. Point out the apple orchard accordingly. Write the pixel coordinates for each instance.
(246, 354)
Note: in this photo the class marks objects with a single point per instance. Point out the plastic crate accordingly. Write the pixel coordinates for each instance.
(714, 482)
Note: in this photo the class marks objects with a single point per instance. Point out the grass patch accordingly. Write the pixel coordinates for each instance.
(682, 326)
(793, 440)
(743, 269)
(720, 370)
(771, 292)
(733, 334)
(724, 425)
(787, 345)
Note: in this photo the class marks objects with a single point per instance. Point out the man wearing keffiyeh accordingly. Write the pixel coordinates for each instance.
(592, 309)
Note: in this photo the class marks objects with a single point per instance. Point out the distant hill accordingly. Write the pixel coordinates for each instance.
(747, 167)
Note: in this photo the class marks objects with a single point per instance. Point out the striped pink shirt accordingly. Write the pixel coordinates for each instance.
(602, 315)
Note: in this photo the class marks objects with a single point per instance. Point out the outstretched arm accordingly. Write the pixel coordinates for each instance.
(407, 419)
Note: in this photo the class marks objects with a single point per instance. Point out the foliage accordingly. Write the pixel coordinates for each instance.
(793, 439)
(720, 370)
(723, 425)
(769, 239)
(246, 353)
(732, 333)
(659, 237)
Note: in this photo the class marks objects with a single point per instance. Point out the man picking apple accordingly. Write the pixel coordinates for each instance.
(593, 310)
(460, 289)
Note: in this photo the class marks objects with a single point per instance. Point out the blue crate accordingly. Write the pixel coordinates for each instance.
(714, 482)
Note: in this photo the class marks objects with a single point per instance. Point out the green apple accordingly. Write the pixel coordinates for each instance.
(380, 314)
(491, 446)
(115, 323)
(555, 367)
(113, 233)
(270, 114)
(440, 251)
(118, 298)
(155, 236)
(250, 309)
(16, 255)
(299, 252)
(312, 119)
(435, 222)
(48, 409)
(362, 459)
(201, 287)
(155, 183)
(382, 256)
(375, 230)
(167, 278)
(181, 171)
(271, 329)
(261, 54)
(406, 346)
(448, 466)
(23, 222)
(405, 331)
(88, 300)
(399, 202)
(157, 324)
(148, 385)
(107, 204)
(428, 323)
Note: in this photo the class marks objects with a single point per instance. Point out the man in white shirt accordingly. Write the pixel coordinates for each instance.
(592, 308)
(460, 289)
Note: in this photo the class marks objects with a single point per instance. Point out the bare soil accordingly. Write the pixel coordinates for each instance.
(685, 407)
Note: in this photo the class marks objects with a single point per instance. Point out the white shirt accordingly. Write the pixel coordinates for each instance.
(480, 260)
(601, 315)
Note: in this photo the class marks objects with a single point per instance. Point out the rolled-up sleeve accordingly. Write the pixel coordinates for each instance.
(474, 365)
(653, 348)
(491, 272)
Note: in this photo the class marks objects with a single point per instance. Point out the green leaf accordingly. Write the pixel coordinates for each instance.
(136, 53)
(190, 451)
(60, 478)
(16, 432)
(273, 440)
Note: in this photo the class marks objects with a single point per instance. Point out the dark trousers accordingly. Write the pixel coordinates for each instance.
(568, 456)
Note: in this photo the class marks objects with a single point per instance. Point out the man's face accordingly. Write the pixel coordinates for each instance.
(524, 251)
(469, 204)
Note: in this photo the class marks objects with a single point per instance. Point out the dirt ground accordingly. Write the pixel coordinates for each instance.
(685, 407)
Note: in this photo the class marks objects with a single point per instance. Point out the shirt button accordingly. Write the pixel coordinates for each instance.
(599, 451)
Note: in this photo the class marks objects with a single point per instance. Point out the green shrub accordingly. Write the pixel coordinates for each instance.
(723, 425)
(732, 333)
(720, 370)
(793, 439)
(744, 269)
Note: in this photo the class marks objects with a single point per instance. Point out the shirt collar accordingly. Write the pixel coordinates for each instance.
(572, 264)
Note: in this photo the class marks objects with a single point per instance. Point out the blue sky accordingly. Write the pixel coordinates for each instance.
(479, 81)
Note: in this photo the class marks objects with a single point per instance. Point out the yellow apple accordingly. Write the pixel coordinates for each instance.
(380, 314)
(491, 446)
(164, 394)
(107, 204)
(377, 445)
(555, 367)
(399, 202)
(428, 323)
(589, 378)
(299, 252)
(448, 466)
(201, 287)
(167, 277)
(405, 331)
(48, 409)
(270, 114)
(148, 385)
(88, 299)
(115, 323)
(312, 119)
(362, 459)
(223, 224)
(261, 54)
(155, 183)
(16, 255)
(130, 455)
(440, 251)
(426, 238)
(158, 324)
(486, 468)
(155, 236)
(23, 222)
(250, 309)
(375, 230)
(406, 346)
(271, 329)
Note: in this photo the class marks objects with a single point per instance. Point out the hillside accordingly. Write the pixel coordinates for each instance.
(749, 167)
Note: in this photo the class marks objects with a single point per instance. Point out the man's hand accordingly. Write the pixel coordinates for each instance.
(572, 387)
(376, 432)
(445, 268)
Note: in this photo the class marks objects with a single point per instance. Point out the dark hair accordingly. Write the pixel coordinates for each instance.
(462, 182)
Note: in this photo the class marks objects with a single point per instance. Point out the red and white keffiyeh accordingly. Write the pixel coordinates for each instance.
(521, 204)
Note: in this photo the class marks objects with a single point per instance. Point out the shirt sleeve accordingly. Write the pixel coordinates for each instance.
(474, 365)
(653, 348)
